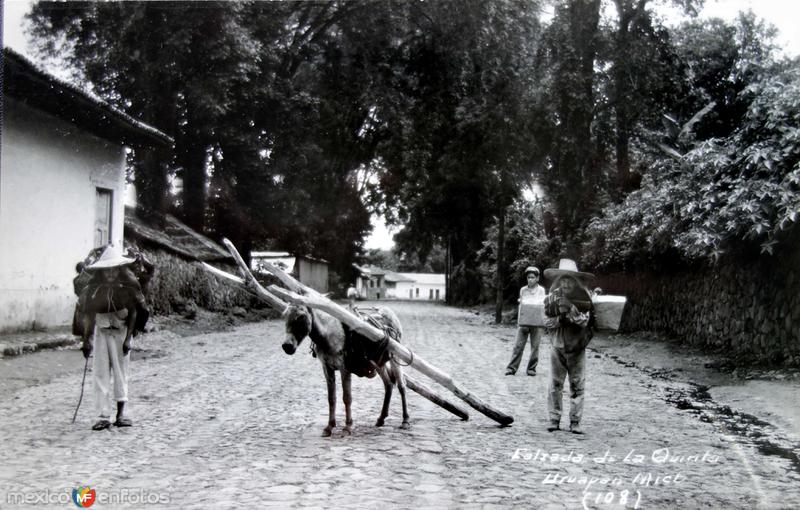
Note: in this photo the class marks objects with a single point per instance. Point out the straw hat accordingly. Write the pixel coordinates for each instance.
(567, 267)
(111, 257)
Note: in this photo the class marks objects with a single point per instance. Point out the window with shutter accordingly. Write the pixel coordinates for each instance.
(102, 218)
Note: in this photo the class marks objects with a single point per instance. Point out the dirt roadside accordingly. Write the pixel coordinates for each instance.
(42, 366)
(757, 404)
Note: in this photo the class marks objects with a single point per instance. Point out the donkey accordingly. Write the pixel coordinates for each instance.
(333, 345)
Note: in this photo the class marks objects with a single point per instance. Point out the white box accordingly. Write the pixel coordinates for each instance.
(607, 312)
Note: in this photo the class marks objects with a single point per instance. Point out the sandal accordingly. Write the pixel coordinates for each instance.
(123, 422)
(101, 424)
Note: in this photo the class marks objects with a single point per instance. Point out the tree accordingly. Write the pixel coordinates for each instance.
(457, 140)
(526, 244)
(572, 171)
(719, 61)
(735, 196)
(260, 95)
(643, 73)
(153, 60)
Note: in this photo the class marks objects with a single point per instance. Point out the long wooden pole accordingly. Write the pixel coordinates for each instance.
(434, 397)
(398, 349)
(251, 284)
(253, 287)
(250, 281)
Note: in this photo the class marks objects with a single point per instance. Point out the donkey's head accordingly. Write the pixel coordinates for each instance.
(298, 326)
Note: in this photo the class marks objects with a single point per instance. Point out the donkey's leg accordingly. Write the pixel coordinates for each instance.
(387, 395)
(347, 397)
(330, 380)
(397, 371)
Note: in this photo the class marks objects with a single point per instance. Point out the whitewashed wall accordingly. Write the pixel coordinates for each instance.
(49, 171)
(403, 288)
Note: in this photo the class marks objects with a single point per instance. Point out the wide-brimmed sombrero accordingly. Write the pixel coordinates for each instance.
(567, 267)
(111, 257)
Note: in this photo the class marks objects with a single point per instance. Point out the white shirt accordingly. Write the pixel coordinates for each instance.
(536, 293)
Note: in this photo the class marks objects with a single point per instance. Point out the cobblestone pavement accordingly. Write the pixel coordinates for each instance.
(227, 420)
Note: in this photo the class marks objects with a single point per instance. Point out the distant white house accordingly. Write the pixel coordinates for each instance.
(307, 270)
(370, 282)
(62, 187)
(394, 284)
(376, 283)
(422, 286)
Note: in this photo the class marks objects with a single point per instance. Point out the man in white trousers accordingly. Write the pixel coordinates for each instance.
(108, 307)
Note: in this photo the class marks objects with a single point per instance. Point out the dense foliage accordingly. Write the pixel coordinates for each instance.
(724, 195)
(294, 121)
(268, 103)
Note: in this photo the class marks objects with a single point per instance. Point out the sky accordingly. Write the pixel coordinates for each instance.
(784, 14)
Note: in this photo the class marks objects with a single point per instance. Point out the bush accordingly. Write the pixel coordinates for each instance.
(724, 195)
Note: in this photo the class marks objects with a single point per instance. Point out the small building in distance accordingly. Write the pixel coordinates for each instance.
(422, 286)
(370, 282)
(395, 282)
(376, 283)
(307, 270)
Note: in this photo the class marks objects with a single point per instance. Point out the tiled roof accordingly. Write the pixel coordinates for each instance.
(426, 278)
(25, 82)
(369, 270)
(174, 236)
(391, 276)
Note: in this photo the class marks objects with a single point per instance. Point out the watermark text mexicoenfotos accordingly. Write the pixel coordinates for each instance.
(86, 498)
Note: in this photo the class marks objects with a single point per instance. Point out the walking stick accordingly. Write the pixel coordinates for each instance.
(85, 368)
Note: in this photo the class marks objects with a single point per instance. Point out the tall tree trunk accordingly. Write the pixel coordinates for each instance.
(501, 274)
(193, 160)
(621, 105)
(151, 181)
(623, 151)
(448, 266)
(574, 84)
(627, 11)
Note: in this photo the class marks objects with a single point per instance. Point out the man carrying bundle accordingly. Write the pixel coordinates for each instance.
(108, 302)
(568, 314)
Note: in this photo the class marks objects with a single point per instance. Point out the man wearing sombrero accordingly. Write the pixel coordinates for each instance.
(568, 311)
(107, 304)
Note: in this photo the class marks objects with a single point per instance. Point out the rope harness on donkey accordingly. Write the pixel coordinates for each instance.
(363, 356)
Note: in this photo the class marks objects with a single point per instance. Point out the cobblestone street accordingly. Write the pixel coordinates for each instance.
(227, 420)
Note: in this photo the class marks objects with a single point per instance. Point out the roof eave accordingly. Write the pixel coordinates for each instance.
(24, 82)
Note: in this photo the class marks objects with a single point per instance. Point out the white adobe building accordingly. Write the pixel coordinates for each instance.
(422, 286)
(376, 283)
(62, 189)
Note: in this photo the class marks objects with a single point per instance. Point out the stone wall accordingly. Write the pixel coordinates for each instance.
(748, 311)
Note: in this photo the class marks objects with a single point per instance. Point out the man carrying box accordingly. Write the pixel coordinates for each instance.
(568, 311)
(531, 292)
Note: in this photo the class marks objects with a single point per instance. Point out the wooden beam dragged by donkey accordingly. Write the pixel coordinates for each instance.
(326, 331)
(303, 296)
